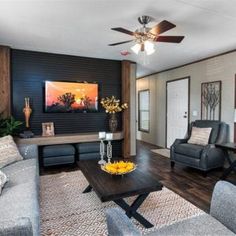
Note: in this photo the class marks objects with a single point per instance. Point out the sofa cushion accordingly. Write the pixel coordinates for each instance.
(93, 147)
(3, 180)
(199, 225)
(21, 172)
(200, 136)
(18, 227)
(215, 125)
(190, 150)
(21, 201)
(28, 151)
(58, 150)
(9, 152)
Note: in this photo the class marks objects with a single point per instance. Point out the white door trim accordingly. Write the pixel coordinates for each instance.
(183, 78)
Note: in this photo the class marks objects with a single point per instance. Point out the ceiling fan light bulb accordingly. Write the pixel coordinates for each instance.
(149, 47)
(136, 48)
(150, 52)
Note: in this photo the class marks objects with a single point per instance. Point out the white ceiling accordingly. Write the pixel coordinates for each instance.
(82, 27)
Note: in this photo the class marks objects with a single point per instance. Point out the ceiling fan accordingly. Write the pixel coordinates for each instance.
(144, 36)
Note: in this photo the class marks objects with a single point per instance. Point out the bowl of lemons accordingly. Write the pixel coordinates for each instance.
(119, 168)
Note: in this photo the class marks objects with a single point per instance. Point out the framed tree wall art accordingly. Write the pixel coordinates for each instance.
(211, 100)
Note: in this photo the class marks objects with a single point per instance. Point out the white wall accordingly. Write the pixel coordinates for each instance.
(219, 68)
(143, 84)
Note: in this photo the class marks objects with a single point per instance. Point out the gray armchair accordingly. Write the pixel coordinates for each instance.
(200, 157)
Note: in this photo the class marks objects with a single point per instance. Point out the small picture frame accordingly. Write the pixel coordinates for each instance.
(48, 129)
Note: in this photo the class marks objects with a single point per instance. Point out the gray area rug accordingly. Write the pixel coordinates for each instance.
(66, 211)
(163, 152)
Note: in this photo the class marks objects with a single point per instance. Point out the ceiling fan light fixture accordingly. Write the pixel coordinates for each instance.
(148, 48)
(136, 48)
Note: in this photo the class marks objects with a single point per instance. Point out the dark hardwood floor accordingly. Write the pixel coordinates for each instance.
(187, 182)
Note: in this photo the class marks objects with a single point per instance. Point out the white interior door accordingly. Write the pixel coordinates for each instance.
(177, 110)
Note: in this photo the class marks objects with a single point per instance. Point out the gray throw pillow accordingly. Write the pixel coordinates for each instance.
(3, 180)
(9, 152)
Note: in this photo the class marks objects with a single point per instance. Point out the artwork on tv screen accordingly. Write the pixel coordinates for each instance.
(70, 97)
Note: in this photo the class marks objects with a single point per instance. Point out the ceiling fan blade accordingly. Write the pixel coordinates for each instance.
(169, 39)
(122, 30)
(114, 44)
(162, 27)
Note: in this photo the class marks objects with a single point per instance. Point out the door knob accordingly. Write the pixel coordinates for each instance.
(185, 116)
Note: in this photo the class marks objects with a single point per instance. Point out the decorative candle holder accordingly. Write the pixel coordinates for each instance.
(109, 137)
(109, 151)
(102, 136)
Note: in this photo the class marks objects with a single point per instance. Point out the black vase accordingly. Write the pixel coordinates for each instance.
(113, 123)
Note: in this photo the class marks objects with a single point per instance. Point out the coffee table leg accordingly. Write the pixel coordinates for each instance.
(131, 211)
(232, 165)
(227, 171)
(226, 154)
(88, 189)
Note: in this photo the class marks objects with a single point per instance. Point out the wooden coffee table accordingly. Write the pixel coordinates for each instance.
(116, 188)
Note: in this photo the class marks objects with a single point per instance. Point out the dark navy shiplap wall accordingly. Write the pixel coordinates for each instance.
(30, 69)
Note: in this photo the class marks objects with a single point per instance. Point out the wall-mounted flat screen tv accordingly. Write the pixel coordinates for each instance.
(70, 97)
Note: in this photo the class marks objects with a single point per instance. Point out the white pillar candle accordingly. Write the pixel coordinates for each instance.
(102, 135)
(109, 136)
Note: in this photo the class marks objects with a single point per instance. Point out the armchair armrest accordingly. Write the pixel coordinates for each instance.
(179, 141)
(223, 204)
(211, 157)
(28, 151)
(176, 143)
(118, 224)
(18, 227)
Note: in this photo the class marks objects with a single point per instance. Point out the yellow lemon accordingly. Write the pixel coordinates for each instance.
(130, 165)
(108, 167)
(112, 170)
(121, 170)
(128, 168)
(115, 165)
(122, 164)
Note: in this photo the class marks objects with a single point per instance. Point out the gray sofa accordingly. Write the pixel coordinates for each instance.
(19, 201)
(200, 157)
(220, 221)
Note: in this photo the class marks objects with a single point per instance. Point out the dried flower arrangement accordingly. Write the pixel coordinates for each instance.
(112, 105)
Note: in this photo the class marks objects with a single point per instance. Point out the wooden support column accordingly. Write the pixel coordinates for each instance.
(5, 83)
(129, 115)
(234, 108)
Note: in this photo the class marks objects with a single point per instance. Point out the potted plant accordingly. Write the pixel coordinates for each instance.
(112, 106)
(9, 126)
